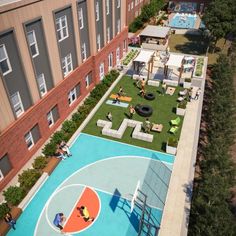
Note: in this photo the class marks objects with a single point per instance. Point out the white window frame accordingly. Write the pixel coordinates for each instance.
(72, 94)
(132, 5)
(35, 44)
(110, 61)
(124, 45)
(118, 26)
(66, 63)
(19, 104)
(7, 60)
(117, 55)
(29, 138)
(43, 85)
(107, 7)
(87, 82)
(98, 42)
(129, 7)
(81, 18)
(97, 11)
(84, 52)
(118, 3)
(101, 71)
(50, 118)
(108, 34)
(60, 30)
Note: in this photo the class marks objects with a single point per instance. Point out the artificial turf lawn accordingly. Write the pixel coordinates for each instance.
(163, 111)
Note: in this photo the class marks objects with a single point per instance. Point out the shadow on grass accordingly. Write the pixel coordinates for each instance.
(163, 146)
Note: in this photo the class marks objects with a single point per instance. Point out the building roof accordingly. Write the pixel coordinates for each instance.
(175, 60)
(144, 56)
(155, 31)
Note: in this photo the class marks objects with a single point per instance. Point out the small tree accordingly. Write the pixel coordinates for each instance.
(14, 195)
(40, 162)
(4, 209)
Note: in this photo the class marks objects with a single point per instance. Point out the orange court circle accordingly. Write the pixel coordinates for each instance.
(75, 223)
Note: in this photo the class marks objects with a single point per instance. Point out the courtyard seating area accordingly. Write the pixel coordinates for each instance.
(129, 130)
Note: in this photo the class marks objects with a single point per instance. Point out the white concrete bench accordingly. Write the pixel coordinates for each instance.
(155, 83)
(171, 82)
(137, 133)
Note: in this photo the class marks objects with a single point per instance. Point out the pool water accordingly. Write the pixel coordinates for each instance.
(183, 21)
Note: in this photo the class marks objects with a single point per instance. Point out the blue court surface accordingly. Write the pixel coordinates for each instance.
(112, 170)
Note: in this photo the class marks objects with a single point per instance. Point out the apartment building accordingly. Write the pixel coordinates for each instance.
(133, 9)
(52, 54)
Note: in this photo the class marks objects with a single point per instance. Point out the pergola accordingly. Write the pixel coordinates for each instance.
(174, 61)
(143, 58)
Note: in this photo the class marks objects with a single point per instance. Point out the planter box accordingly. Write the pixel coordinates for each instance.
(170, 149)
(180, 111)
(187, 84)
(52, 164)
(4, 227)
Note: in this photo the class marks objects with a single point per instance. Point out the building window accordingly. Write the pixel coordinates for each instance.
(4, 60)
(50, 118)
(118, 3)
(17, 104)
(84, 52)
(132, 5)
(98, 42)
(136, 2)
(101, 71)
(88, 80)
(110, 61)
(81, 18)
(5, 166)
(67, 65)
(118, 26)
(72, 96)
(129, 7)
(29, 140)
(62, 28)
(33, 44)
(108, 7)
(108, 34)
(124, 46)
(97, 11)
(117, 56)
(42, 84)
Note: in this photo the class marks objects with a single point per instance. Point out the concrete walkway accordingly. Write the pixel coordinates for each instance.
(177, 205)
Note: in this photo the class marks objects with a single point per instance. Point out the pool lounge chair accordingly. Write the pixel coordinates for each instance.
(176, 121)
(174, 129)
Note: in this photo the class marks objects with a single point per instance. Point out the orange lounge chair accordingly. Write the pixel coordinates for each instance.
(122, 98)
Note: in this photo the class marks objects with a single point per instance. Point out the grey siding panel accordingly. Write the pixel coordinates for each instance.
(67, 45)
(41, 62)
(55, 113)
(117, 15)
(5, 165)
(15, 80)
(78, 91)
(35, 133)
(109, 20)
(99, 24)
(84, 32)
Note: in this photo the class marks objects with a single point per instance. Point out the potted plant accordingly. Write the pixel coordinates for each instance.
(187, 83)
(171, 146)
(181, 107)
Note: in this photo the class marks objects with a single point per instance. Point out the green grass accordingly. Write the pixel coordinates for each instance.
(163, 112)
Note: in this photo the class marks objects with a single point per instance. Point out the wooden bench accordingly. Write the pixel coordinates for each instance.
(4, 227)
(52, 164)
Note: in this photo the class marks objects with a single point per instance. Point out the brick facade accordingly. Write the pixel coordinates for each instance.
(12, 139)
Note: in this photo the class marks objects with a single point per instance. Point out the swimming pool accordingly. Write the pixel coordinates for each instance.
(183, 21)
(111, 169)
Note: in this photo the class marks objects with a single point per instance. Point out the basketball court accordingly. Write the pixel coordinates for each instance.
(123, 187)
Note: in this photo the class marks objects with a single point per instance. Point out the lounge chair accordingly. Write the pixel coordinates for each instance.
(180, 99)
(174, 129)
(176, 121)
(183, 93)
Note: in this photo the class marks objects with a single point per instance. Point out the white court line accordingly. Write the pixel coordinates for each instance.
(128, 144)
(80, 170)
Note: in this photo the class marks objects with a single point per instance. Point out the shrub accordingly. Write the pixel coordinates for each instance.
(28, 178)
(49, 149)
(14, 195)
(77, 118)
(173, 142)
(40, 162)
(59, 136)
(188, 80)
(90, 101)
(182, 104)
(4, 209)
(69, 127)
